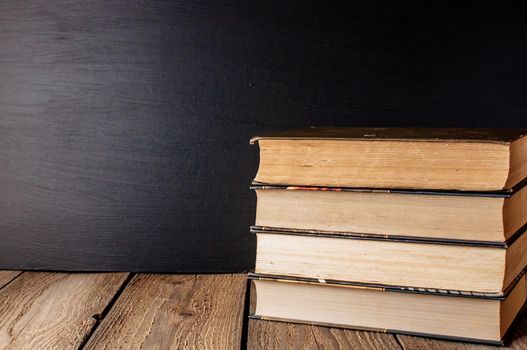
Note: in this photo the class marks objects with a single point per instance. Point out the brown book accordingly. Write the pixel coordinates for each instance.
(496, 217)
(406, 158)
(449, 314)
(388, 261)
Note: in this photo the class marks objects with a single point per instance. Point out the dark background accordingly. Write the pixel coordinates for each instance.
(124, 125)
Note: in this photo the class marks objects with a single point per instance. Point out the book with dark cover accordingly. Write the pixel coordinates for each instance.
(494, 135)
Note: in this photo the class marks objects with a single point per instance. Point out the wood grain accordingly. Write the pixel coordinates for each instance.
(276, 335)
(175, 312)
(333, 338)
(54, 310)
(419, 343)
(281, 335)
(8, 276)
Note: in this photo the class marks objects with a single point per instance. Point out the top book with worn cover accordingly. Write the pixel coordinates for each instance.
(451, 159)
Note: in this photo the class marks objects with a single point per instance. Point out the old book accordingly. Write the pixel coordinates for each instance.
(469, 266)
(453, 314)
(424, 158)
(484, 217)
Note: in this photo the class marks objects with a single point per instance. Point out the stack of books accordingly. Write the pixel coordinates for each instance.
(412, 231)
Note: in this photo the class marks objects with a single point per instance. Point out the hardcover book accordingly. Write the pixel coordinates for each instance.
(492, 218)
(448, 314)
(411, 158)
(468, 266)
(413, 231)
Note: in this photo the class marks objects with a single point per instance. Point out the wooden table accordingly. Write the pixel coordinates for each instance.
(43, 310)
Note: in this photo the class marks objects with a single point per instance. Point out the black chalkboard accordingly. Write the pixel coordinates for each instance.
(125, 125)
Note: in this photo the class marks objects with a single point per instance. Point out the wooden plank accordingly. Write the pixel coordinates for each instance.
(333, 338)
(175, 311)
(419, 343)
(281, 335)
(277, 335)
(54, 310)
(8, 276)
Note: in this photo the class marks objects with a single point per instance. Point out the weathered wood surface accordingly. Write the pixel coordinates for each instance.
(7, 276)
(175, 312)
(278, 335)
(54, 310)
(101, 311)
(333, 338)
(419, 343)
(274, 335)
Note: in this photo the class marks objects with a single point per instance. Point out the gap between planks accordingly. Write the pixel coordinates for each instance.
(98, 311)
(54, 310)
(106, 310)
(175, 312)
(102, 315)
(7, 277)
